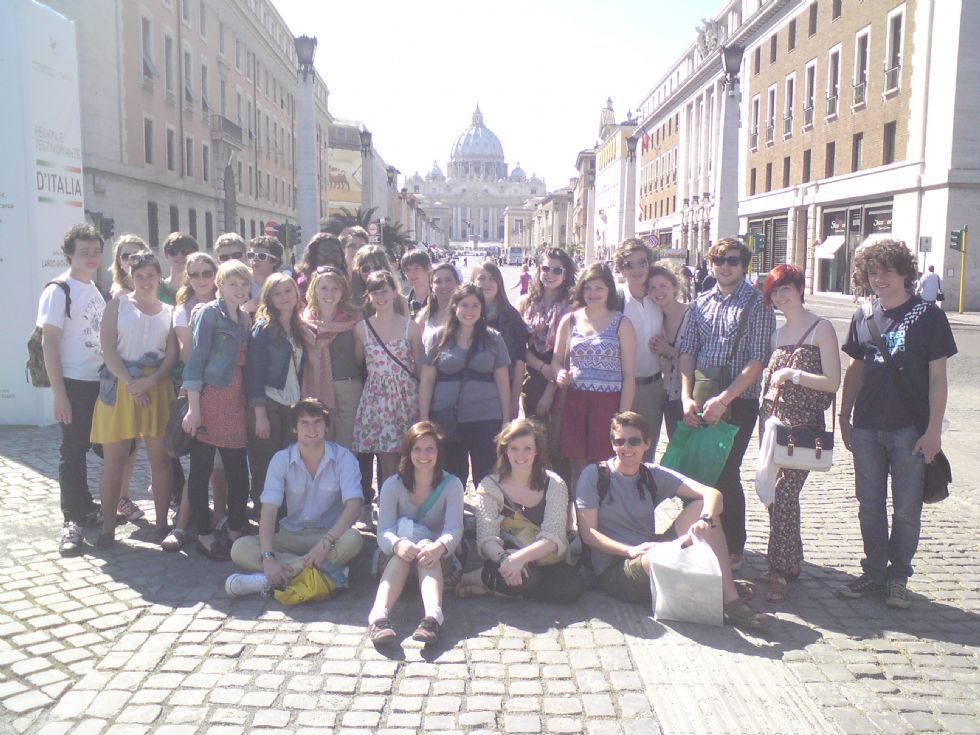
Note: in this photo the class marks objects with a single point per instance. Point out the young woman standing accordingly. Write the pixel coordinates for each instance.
(445, 281)
(664, 288)
(140, 351)
(213, 379)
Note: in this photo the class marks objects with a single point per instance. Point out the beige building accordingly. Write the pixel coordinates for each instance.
(550, 220)
(189, 115)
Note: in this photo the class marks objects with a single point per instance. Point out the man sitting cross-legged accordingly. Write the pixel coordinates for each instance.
(321, 485)
(617, 500)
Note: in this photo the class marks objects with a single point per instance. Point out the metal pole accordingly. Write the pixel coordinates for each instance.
(963, 267)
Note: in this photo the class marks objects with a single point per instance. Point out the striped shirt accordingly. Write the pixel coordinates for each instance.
(712, 326)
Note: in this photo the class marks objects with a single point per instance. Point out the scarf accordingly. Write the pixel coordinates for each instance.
(318, 376)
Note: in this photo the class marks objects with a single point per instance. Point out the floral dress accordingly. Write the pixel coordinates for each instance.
(390, 401)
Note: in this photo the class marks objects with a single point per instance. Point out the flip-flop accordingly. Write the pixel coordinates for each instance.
(174, 541)
(739, 615)
(777, 588)
(745, 589)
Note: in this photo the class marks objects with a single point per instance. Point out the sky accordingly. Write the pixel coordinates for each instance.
(540, 70)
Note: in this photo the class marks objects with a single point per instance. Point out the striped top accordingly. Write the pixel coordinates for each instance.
(596, 359)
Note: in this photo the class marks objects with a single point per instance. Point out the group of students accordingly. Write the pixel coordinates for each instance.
(430, 384)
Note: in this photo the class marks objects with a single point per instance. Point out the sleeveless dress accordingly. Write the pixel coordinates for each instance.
(596, 359)
(798, 405)
(390, 401)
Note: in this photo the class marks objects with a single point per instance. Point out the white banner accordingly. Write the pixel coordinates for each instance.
(40, 183)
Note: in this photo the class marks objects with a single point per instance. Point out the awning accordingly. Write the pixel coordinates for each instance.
(829, 247)
(873, 238)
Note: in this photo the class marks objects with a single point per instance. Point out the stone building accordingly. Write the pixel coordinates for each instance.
(469, 201)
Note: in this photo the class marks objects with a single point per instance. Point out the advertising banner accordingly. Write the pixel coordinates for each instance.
(40, 183)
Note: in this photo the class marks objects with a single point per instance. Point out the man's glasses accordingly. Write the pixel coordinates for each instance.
(556, 269)
(731, 260)
(629, 264)
(260, 256)
(633, 441)
(179, 251)
(208, 273)
(230, 256)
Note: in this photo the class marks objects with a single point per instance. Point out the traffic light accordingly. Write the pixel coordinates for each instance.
(757, 241)
(956, 240)
(282, 233)
(295, 235)
(108, 227)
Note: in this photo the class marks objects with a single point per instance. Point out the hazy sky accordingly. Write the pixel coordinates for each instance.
(540, 70)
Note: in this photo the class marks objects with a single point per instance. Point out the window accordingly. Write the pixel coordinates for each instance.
(771, 115)
(238, 54)
(241, 226)
(752, 182)
(754, 128)
(174, 219)
(857, 144)
(888, 143)
(205, 162)
(205, 101)
(221, 38)
(809, 93)
(240, 177)
(251, 181)
(147, 141)
(208, 230)
(812, 26)
(833, 81)
(829, 160)
(893, 51)
(252, 227)
(185, 11)
(152, 225)
(149, 70)
(837, 9)
(171, 149)
(192, 222)
(189, 156)
(791, 40)
(790, 93)
(861, 69)
(238, 107)
(203, 16)
(773, 44)
(768, 177)
(807, 157)
(757, 60)
(168, 64)
(786, 170)
(188, 79)
(248, 64)
(222, 98)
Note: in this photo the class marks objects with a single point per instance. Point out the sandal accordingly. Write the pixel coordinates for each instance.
(765, 576)
(470, 589)
(745, 589)
(739, 615)
(428, 631)
(174, 541)
(777, 587)
(380, 632)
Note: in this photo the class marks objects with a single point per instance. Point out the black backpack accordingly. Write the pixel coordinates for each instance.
(645, 482)
(35, 370)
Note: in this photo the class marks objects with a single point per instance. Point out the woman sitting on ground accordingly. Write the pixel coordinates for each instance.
(420, 524)
(522, 524)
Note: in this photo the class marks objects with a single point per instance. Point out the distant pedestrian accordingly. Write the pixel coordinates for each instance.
(524, 281)
(929, 286)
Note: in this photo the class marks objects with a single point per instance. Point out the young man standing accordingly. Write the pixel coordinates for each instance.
(417, 267)
(708, 346)
(883, 437)
(72, 358)
(633, 259)
(353, 238)
(229, 246)
(321, 485)
(176, 248)
(264, 258)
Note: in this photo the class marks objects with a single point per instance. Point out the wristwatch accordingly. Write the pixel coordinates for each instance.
(708, 519)
(797, 374)
(266, 555)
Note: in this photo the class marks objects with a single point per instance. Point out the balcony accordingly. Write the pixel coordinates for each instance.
(770, 132)
(808, 117)
(832, 105)
(788, 125)
(893, 78)
(224, 129)
(860, 94)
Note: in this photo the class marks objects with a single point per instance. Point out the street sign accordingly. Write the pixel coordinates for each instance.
(374, 232)
(270, 228)
(925, 244)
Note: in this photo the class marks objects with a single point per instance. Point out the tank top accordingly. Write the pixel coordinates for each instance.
(596, 359)
(138, 333)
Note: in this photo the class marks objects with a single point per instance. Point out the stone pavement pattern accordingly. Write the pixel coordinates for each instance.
(135, 640)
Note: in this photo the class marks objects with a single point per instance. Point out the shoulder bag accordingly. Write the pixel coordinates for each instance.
(938, 473)
(176, 441)
(711, 381)
(388, 352)
(804, 447)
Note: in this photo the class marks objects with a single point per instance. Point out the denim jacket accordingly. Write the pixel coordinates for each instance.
(214, 347)
(267, 363)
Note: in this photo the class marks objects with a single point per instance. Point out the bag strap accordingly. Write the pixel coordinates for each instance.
(743, 323)
(431, 500)
(384, 347)
(63, 285)
(779, 390)
(904, 392)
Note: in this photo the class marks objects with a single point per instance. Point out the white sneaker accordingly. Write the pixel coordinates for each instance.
(240, 585)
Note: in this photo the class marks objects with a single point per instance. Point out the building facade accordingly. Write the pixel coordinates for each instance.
(550, 222)
(614, 213)
(478, 187)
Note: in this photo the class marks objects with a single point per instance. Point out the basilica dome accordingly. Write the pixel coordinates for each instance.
(477, 142)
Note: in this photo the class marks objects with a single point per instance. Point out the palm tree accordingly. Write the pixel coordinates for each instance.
(393, 236)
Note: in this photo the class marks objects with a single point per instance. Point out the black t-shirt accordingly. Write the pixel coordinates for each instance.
(916, 333)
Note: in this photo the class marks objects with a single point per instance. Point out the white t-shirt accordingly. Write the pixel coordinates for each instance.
(81, 351)
(648, 321)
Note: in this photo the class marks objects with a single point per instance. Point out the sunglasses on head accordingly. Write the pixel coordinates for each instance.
(556, 269)
(128, 257)
(633, 441)
(260, 256)
(207, 273)
(138, 259)
(230, 256)
(332, 270)
(731, 260)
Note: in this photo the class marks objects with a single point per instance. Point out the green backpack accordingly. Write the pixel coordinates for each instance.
(35, 370)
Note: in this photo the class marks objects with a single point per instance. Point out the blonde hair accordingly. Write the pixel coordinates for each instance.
(120, 274)
(186, 292)
(232, 269)
(267, 311)
(344, 306)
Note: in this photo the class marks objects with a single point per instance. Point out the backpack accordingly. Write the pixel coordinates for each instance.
(35, 370)
(645, 482)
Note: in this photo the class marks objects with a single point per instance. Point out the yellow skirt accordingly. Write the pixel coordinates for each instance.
(125, 420)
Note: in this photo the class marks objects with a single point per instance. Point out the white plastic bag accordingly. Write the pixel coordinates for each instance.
(766, 471)
(685, 582)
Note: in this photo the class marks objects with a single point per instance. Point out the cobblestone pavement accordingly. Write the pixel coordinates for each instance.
(135, 640)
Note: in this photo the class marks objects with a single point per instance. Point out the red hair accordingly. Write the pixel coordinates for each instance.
(782, 275)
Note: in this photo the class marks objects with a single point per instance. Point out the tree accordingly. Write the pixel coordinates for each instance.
(394, 237)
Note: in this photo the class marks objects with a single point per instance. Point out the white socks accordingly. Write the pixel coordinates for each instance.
(437, 614)
(378, 612)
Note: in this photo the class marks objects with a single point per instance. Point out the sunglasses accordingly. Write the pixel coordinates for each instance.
(209, 273)
(629, 264)
(129, 257)
(556, 269)
(179, 251)
(332, 270)
(261, 257)
(141, 259)
(367, 270)
(633, 441)
(230, 256)
(731, 260)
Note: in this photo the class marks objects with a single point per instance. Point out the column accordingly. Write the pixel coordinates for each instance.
(306, 188)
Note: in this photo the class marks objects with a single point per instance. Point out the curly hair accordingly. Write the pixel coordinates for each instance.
(626, 248)
(721, 248)
(882, 255)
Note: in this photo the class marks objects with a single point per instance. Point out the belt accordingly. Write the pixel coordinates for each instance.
(649, 379)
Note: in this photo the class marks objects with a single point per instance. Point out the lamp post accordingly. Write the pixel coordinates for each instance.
(307, 192)
(629, 205)
(367, 166)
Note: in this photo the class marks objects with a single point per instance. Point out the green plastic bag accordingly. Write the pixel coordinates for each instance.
(700, 453)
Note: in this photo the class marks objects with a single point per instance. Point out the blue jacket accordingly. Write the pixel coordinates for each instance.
(216, 340)
(267, 363)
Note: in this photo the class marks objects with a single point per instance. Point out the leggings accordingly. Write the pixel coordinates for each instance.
(236, 470)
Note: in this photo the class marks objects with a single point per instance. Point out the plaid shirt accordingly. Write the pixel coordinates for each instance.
(712, 327)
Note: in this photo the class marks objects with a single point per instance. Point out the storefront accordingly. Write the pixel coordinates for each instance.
(844, 230)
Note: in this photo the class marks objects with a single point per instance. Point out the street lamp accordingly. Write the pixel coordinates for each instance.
(366, 136)
(631, 147)
(305, 51)
(731, 61)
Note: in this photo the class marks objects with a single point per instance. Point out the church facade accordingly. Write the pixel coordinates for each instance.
(469, 200)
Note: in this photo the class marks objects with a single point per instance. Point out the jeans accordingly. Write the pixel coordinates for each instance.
(673, 412)
(744, 415)
(649, 402)
(876, 455)
(473, 441)
(236, 470)
(76, 498)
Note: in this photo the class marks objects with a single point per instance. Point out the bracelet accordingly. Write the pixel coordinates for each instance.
(503, 556)
(330, 538)
(266, 555)
(707, 519)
